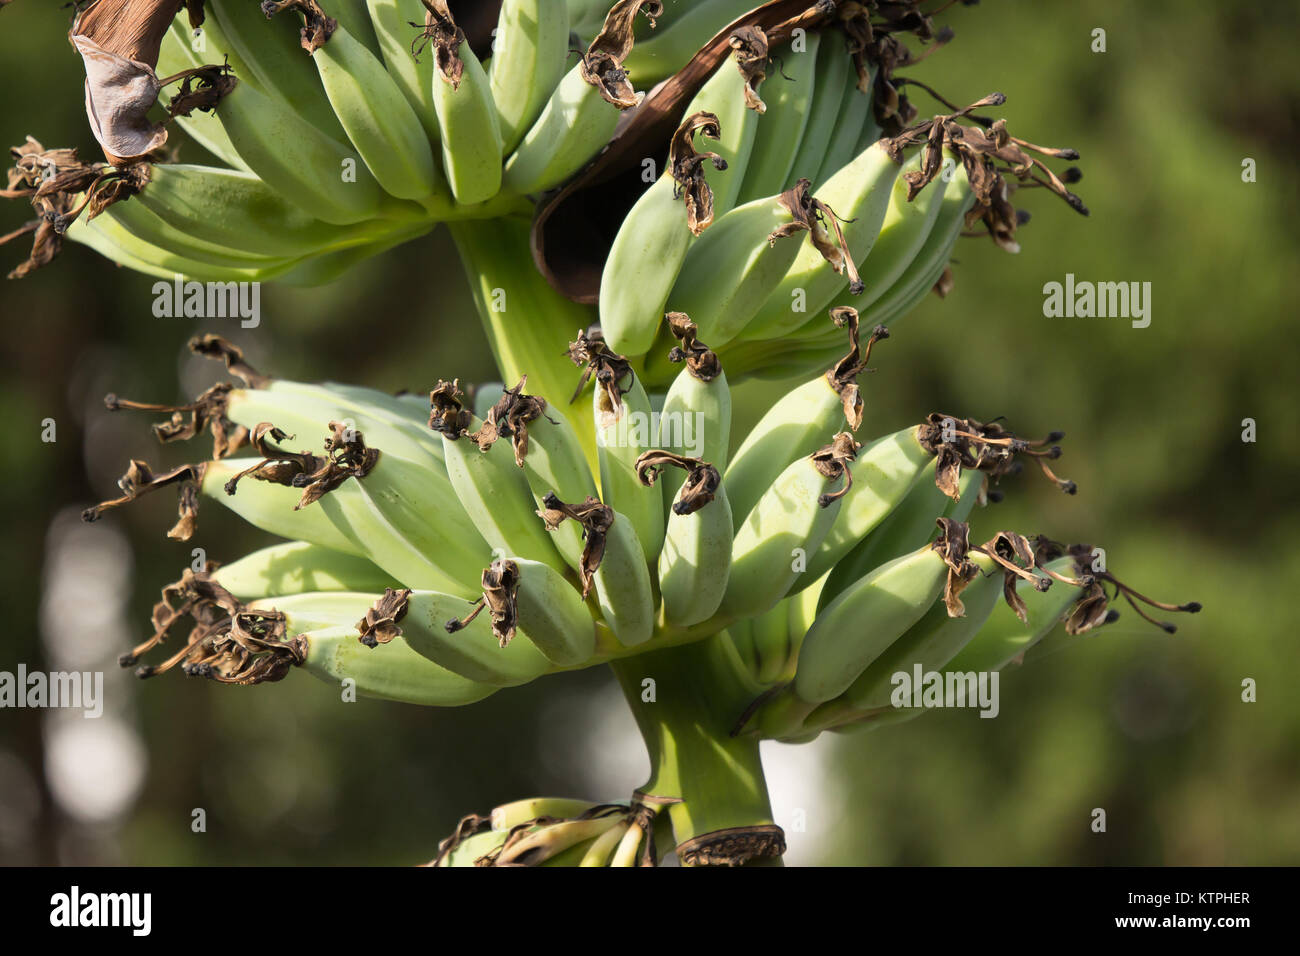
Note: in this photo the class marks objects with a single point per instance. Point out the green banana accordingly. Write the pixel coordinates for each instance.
(623, 432)
(832, 83)
(108, 236)
(858, 196)
(884, 472)
(392, 672)
(510, 815)
(696, 558)
(469, 126)
(553, 615)
(797, 424)
(789, 94)
(555, 464)
(235, 209)
(296, 567)
(297, 160)
(790, 520)
(382, 125)
(176, 55)
(732, 269)
(413, 75)
(911, 523)
(837, 648)
(142, 223)
(598, 853)
(854, 119)
(582, 113)
(695, 420)
(431, 624)
(532, 42)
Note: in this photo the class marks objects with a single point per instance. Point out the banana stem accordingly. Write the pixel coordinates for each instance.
(686, 700)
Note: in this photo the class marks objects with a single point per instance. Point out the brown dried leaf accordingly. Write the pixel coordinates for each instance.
(380, 625)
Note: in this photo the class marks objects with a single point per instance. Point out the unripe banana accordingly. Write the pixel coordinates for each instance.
(695, 420)
(528, 55)
(493, 489)
(883, 473)
(855, 628)
(391, 672)
(553, 615)
(141, 223)
(623, 432)
(931, 642)
(858, 194)
(797, 425)
(598, 853)
(1004, 638)
(296, 567)
(295, 159)
(907, 527)
(272, 57)
(646, 255)
(238, 210)
(831, 85)
(546, 842)
(310, 611)
(510, 815)
(695, 563)
(433, 625)
(176, 55)
(788, 94)
(470, 128)
(382, 125)
(108, 236)
(473, 848)
(732, 269)
(555, 464)
(680, 38)
(413, 75)
(772, 644)
(852, 123)
(790, 520)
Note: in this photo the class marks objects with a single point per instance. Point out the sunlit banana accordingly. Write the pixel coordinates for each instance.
(732, 269)
(581, 114)
(413, 75)
(435, 625)
(143, 224)
(852, 123)
(652, 240)
(695, 420)
(623, 432)
(857, 197)
(799, 423)
(532, 846)
(528, 62)
(788, 522)
(788, 94)
(613, 561)
(831, 85)
(510, 815)
(600, 850)
(296, 567)
(379, 120)
(696, 559)
(467, 118)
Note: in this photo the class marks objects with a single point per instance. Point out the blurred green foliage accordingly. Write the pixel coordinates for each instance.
(1148, 726)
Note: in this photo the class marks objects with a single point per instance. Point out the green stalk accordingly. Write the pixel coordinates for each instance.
(698, 695)
(530, 335)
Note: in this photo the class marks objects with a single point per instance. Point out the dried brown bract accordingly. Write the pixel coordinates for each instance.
(205, 413)
(988, 156)
(140, 480)
(215, 347)
(317, 27)
(702, 479)
(749, 50)
(380, 625)
(1092, 608)
(833, 462)
(230, 641)
(701, 361)
(811, 215)
(843, 375)
(613, 373)
(440, 32)
(500, 583)
(687, 166)
(595, 518)
(959, 443)
(52, 180)
(509, 418)
(1015, 555)
(469, 825)
(447, 414)
(346, 456)
(602, 64)
(201, 89)
(953, 544)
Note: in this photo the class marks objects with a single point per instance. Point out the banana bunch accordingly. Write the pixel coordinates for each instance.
(554, 831)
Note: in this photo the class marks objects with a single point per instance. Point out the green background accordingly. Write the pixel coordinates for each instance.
(1147, 726)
